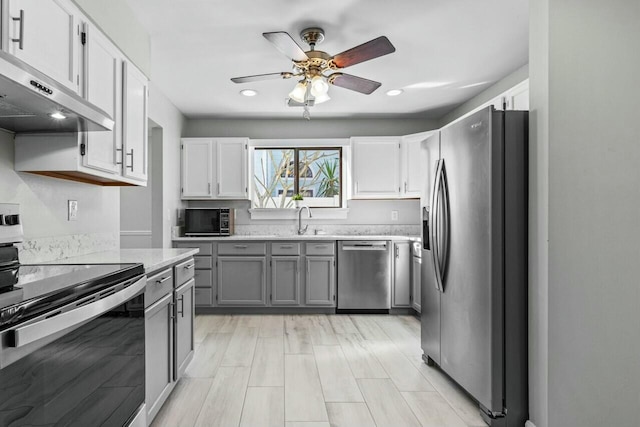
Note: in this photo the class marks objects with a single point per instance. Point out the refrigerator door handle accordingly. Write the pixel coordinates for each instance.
(435, 225)
(445, 230)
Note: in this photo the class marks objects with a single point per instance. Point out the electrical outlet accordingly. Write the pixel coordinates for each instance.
(394, 215)
(72, 210)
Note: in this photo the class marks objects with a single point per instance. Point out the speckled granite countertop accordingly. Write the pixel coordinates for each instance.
(296, 237)
(152, 259)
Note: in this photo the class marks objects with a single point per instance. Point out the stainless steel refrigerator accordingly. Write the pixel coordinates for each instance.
(474, 260)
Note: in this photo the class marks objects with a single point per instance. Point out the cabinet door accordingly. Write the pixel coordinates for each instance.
(242, 280)
(231, 168)
(158, 354)
(416, 296)
(47, 35)
(184, 346)
(376, 167)
(401, 275)
(412, 167)
(518, 97)
(197, 173)
(320, 280)
(285, 280)
(134, 122)
(103, 88)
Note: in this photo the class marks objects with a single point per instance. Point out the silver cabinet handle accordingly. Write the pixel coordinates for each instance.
(172, 310)
(218, 189)
(164, 279)
(286, 246)
(240, 246)
(188, 267)
(131, 154)
(119, 162)
(405, 186)
(209, 190)
(52, 325)
(20, 39)
(321, 246)
(181, 310)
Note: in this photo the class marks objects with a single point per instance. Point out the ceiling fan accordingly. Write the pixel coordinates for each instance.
(313, 66)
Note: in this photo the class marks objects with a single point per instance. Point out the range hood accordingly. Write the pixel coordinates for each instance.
(28, 98)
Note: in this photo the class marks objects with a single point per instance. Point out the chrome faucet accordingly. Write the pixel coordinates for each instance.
(300, 229)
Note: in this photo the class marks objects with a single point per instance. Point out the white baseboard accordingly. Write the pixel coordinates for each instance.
(529, 424)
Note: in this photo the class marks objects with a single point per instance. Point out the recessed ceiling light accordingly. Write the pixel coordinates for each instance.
(248, 92)
(58, 116)
(394, 92)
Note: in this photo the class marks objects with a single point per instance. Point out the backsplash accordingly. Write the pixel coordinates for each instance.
(331, 229)
(44, 249)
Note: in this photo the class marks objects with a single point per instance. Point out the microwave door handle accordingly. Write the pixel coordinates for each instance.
(46, 327)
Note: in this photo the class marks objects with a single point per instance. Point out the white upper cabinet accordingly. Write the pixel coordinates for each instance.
(134, 122)
(214, 168)
(517, 98)
(46, 35)
(375, 167)
(411, 164)
(103, 87)
(231, 168)
(197, 171)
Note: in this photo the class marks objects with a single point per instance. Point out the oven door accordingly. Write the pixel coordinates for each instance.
(77, 366)
(202, 222)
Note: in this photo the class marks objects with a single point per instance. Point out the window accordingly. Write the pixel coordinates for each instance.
(279, 173)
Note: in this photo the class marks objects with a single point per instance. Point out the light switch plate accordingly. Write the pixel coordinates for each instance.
(73, 210)
(394, 215)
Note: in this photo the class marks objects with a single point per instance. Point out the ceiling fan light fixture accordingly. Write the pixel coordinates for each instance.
(322, 98)
(319, 86)
(299, 91)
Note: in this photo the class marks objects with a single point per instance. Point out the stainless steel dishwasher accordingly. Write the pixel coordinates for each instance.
(364, 275)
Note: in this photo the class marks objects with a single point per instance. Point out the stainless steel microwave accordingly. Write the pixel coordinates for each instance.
(208, 221)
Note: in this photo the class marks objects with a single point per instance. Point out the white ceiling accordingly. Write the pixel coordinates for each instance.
(441, 46)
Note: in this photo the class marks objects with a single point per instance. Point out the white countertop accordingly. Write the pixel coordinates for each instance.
(152, 259)
(297, 237)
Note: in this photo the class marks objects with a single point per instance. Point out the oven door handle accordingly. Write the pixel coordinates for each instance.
(43, 328)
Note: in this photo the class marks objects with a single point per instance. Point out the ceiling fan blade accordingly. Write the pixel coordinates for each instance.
(259, 77)
(357, 84)
(285, 44)
(366, 51)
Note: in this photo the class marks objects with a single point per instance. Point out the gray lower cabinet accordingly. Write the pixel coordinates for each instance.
(401, 296)
(285, 280)
(242, 280)
(184, 301)
(159, 353)
(205, 272)
(320, 280)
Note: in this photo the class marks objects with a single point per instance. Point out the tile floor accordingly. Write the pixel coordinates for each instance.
(313, 371)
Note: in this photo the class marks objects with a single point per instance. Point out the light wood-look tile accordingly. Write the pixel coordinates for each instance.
(228, 324)
(268, 363)
(432, 410)
(338, 383)
(321, 330)
(297, 337)
(452, 393)
(206, 324)
(184, 403)
(307, 424)
(350, 415)
(342, 324)
(361, 359)
(403, 337)
(250, 320)
(271, 326)
(303, 393)
(368, 328)
(263, 407)
(386, 404)
(404, 375)
(412, 322)
(241, 347)
(208, 355)
(223, 404)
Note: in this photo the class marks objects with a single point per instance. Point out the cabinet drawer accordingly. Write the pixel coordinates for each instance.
(285, 249)
(203, 262)
(158, 285)
(320, 248)
(203, 297)
(205, 248)
(184, 271)
(203, 278)
(240, 248)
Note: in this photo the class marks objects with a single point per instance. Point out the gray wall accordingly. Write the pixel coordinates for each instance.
(300, 128)
(592, 106)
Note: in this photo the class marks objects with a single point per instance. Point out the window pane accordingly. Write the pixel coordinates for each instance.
(274, 178)
(319, 177)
